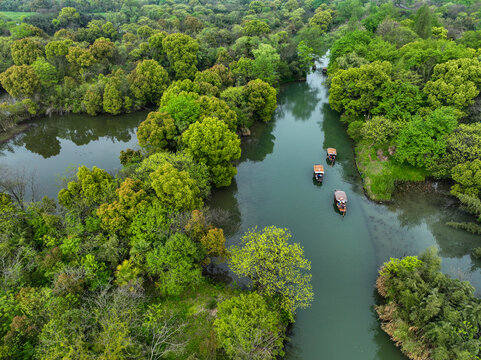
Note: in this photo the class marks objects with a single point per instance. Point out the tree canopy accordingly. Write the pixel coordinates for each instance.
(276, 267)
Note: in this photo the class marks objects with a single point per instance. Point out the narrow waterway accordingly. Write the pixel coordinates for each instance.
(274, 186)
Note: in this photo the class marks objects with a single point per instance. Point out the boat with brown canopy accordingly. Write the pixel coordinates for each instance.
(319, 173)
(331, 155)
(340, 198)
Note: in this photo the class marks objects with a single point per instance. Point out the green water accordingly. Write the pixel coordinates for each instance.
(274, 186)
(52, 145)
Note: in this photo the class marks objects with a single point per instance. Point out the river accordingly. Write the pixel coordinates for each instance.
(274, 186)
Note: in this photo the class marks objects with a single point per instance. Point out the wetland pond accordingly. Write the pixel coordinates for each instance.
(274, 186)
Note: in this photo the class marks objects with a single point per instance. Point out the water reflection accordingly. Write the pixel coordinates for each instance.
(385, 350)
(42, 139)
(335, 136)
(259, 144)
(225, 199)
(301, 102)
(45, 135)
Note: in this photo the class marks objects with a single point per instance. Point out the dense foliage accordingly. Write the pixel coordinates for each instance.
(120, 267)
(125, 56)
(428, 314)
(407, 84)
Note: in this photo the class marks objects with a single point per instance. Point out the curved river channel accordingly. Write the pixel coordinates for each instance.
(274, 186)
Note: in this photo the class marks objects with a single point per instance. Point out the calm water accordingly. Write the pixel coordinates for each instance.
(52, 145)
(274, 186)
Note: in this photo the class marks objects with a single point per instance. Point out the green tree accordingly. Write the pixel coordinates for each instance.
(181, 162)
(46, 72)
(68, 17)
(266, 63)
(454, 83)
(462, 145)
(276, 267)
(423, 141)
(56, 52)
(148, 81)
(255, 28)
(353, 41)
(468, 178)
(181, 51)
(210, 106)
(184, 87)
(261, 98)
(156, 47)
(247, 328)
(20, 80)
(322, 19)
(103, 50)
(378, 130)
(470, 39)
(400, 100)
(176, 264)
(212, 143)
(175, 189)
(305, 55)
(243, 69)
(184, 110)
(26, 51)
(117, 216)
(423, 55)
(93, 101)
(80, 59)
(149, 228)
(157, 132)
(423, 21)
(112, 99)
(91, 188)
(358, 90)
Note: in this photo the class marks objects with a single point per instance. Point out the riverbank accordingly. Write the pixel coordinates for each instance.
(427, 314)
(14, 131)
(380, 173)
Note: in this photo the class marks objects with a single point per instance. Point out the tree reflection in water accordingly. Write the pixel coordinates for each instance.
(43, 138)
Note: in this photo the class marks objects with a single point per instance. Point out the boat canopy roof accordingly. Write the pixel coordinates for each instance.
(319, 169)
(331, 151)
(340, 195)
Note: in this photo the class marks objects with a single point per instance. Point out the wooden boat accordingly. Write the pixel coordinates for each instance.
(319, 173)
(331, 155)
(340, 199)
(324, 70)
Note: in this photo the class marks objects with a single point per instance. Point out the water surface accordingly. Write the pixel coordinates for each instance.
(274, 186)
(54, 144)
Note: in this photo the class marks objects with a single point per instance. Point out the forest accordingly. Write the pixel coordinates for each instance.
(120, 265)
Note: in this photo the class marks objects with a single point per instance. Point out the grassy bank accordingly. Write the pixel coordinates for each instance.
(380, 173)
(15, 15)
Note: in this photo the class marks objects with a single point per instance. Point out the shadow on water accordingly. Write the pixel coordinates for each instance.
(380, 338)
(53, 145)
(45, 135)
(225, 199)
(335, 136)
(259, 144)
(302, 101)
